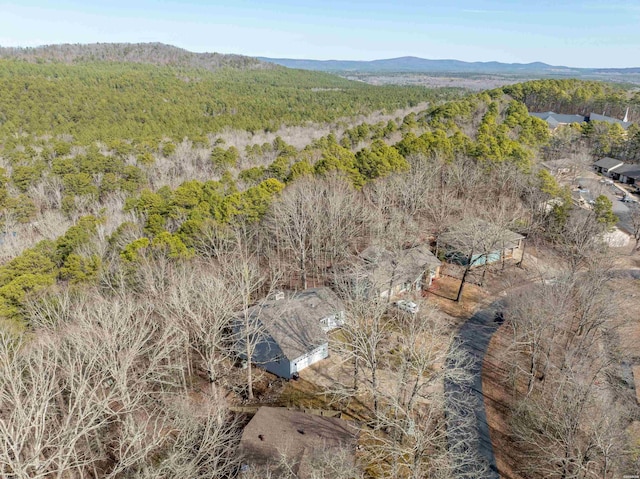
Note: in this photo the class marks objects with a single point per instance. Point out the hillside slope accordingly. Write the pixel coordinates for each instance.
(101, 100)
(150, 53)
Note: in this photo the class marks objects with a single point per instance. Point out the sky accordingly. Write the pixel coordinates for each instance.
(578, 33)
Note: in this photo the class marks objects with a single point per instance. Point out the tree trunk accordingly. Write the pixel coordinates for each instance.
(249, 375)
(464, 277)
(374, 384)
(303, 269)
(355, 373)
(524, 246)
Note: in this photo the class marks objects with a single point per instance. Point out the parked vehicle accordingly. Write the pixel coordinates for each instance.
(407, 306)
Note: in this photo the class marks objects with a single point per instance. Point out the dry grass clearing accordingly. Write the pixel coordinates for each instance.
(443, 293)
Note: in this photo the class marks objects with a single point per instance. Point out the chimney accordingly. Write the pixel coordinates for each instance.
(626, 116)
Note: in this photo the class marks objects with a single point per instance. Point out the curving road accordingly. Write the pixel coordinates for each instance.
(467, 428)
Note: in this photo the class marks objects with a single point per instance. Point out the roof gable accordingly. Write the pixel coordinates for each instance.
(477, 236)
(555, 119)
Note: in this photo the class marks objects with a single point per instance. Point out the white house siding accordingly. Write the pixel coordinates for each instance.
(310, 358)
(332, 322)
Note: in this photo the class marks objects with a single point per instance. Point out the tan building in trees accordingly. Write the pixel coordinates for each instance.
(389, 274)
(303, 442)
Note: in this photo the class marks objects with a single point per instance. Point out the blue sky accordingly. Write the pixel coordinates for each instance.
(561, 32)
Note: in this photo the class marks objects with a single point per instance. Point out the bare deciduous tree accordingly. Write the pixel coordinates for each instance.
(315, 223)
(246, 283)
(634, 221)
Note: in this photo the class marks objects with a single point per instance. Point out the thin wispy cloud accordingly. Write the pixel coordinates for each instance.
(480, 11)
(614, 7)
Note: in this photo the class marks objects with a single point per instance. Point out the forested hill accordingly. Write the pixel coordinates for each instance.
(423, 65)
(103, 100)
(150, 53)
(417, 65)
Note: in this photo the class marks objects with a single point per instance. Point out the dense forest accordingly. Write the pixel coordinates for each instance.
(149, 53)
(140, 102)
(144, 206)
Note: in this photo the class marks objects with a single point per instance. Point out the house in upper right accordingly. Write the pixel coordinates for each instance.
(629, 174)
(607, 165)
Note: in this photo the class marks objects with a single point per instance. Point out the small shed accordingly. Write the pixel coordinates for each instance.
(291, 330)
(274, 433)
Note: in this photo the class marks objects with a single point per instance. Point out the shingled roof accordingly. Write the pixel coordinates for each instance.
(478, 236)
(608, 119)
(401, 266)
(274, 432)
(608, 163)
(294, 322)
(555, 119)
(631, 171)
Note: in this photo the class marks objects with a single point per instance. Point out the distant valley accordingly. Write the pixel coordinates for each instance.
(414, 70)
(422, 65)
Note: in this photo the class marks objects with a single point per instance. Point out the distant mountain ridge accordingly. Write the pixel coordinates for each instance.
(168, 55)
(422, 65)
(148, 53)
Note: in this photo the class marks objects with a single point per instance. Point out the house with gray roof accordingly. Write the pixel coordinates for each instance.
(595, 117)
(304, 440)
(388, 274)
(556, 119)
(607, 165)
(626, 173)
(289, 331)
(475, 242)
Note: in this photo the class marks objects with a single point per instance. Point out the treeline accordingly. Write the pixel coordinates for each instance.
(108, 101)
(150, 53)
(170, 239)
(576, 97)
(98, 183)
